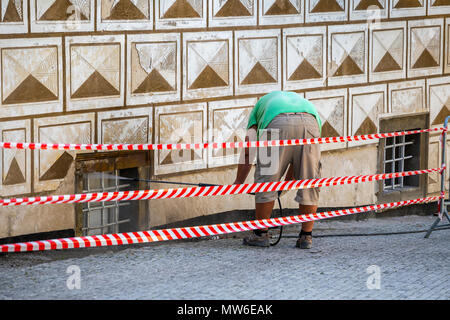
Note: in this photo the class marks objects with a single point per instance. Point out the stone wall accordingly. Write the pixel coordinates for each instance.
(138, 71)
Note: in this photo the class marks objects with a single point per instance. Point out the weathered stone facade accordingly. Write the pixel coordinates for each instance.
(135, 71)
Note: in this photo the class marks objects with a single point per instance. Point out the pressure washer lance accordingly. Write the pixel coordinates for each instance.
(274, 238)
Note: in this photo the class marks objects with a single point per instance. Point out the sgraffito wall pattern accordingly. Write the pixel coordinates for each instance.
(163, 71)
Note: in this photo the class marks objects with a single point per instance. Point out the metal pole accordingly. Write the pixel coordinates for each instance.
(443, 203)
(444, 162)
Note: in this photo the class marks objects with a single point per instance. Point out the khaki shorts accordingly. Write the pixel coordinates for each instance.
(305, 158)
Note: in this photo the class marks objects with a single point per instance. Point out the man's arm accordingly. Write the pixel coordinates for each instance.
(246, 159)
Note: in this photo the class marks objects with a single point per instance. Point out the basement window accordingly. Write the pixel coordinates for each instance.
(401, 154)
(105, 217)
(111, 172)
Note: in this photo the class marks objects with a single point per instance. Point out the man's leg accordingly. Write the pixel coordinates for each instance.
(307, 166)
(271, 165)
(305, 237)
(304, 209)
(260, 237)
(264, 211)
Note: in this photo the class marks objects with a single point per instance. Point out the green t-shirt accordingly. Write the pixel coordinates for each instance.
(274, 103)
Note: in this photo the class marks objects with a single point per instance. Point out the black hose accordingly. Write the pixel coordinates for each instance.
(370, 234)
(281, 227)
(112, 176)
(281, 211)
(198, 185)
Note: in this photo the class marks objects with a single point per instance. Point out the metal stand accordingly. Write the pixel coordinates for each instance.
(443, 203)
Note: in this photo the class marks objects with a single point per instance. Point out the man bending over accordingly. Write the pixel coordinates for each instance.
(287, 116)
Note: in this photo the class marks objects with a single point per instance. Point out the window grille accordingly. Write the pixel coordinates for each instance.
(400, 154)
(102, 217)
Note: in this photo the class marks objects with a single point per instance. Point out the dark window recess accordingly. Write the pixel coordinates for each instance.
(102, 173)
(402, 154)
(110, 216)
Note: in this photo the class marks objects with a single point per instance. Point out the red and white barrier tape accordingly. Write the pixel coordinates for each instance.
(192, 232)
(209, 190)
(212, 145)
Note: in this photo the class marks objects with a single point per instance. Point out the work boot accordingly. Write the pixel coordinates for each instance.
(304, 242)
(257, 240)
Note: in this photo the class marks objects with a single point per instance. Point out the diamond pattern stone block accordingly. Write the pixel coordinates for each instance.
(227, 123)
(326, 10)
(257, 61)
(438, 7)
(180, 124)
(31, 76)
(232, 13)
(153, 68)
(388, 51)
(132, 126)
(171, 14)
(304, 58)
(407, 8)
(13, 16)
(438, 95)
(50, 168)
(95, 71)
(347, 54)
(407, 97)
(426, 47)
(62, 15)
(124, 15)
(369, 10)
(207, 60)
(272, 12)
(15, 165)
(366, 104)
(332, 108)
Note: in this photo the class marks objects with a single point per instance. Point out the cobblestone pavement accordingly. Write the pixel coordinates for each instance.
(409, 267)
